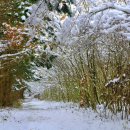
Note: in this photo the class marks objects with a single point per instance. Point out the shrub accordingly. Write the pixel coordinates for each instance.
(84, 74)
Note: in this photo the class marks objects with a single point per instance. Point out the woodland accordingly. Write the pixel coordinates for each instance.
(79, 50)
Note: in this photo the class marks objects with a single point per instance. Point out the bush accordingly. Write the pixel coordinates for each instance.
(85, 74)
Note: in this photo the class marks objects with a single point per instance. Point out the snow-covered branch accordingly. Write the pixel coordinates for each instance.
(6, 56)
(107, 18)
(123, 8)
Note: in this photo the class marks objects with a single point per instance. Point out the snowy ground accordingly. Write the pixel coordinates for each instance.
(42, 115)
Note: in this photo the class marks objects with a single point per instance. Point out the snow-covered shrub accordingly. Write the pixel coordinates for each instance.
(83, 70)
(102, 19)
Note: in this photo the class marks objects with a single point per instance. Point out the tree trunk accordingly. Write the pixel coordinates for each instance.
(5, 88)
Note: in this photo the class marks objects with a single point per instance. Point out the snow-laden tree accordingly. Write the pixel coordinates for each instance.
(98, 18)
(20, 46)
(46, 17)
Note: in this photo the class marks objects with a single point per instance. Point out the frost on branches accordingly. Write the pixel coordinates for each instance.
(104, 18)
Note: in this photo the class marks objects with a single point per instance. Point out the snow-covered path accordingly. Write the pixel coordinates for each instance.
(42, 115)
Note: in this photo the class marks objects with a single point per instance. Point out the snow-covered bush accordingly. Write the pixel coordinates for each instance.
(98, 19)
(84, 71)
(97, 54)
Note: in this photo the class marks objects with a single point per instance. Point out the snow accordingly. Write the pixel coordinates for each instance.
(43, 115)
(23, 18)
(105, 18)
(116, 80)
(5, 56)
(112, 82)
(29, 8)
(37, 87)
